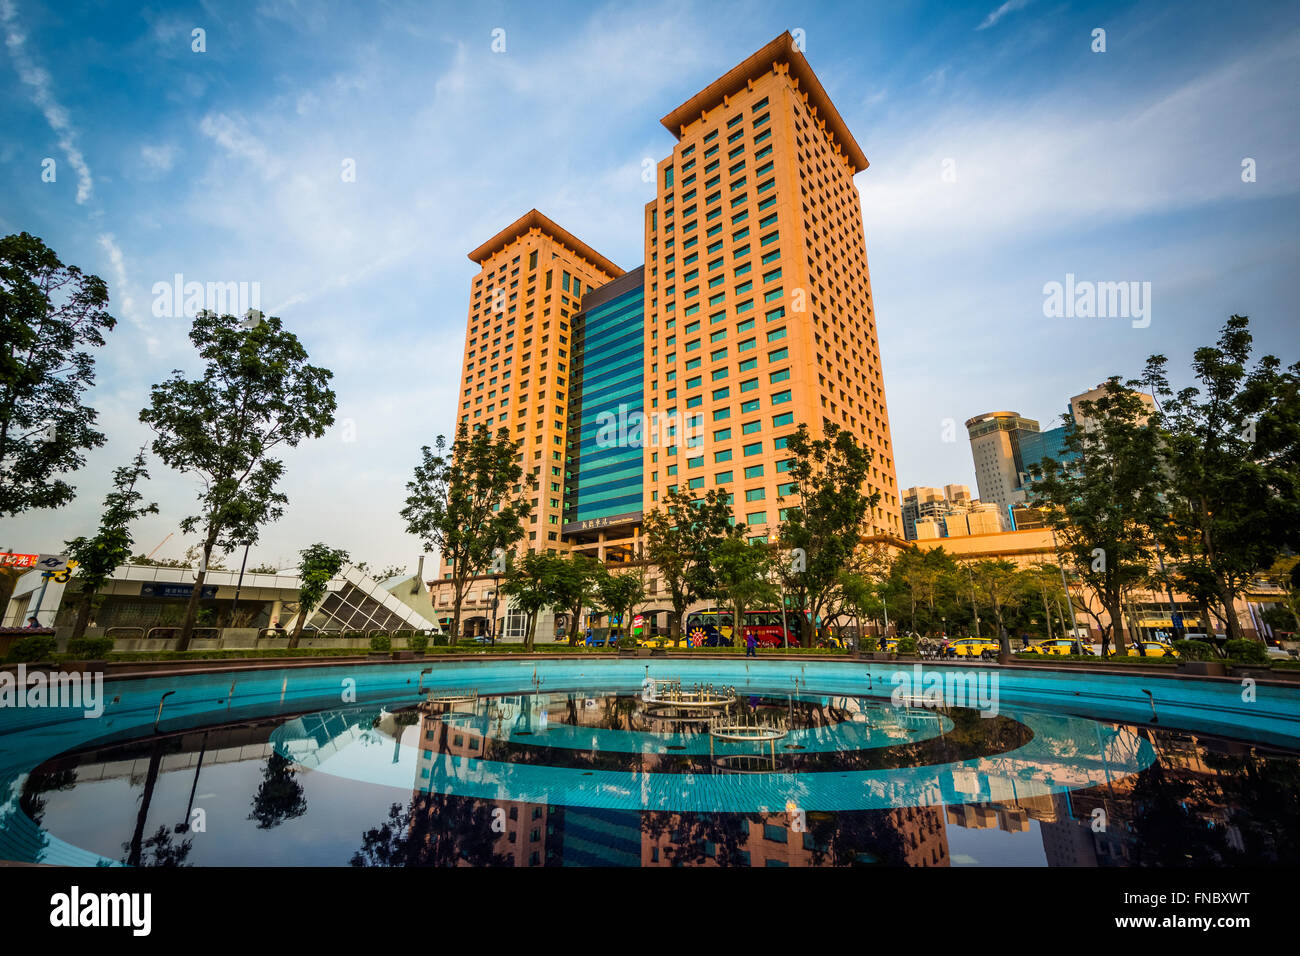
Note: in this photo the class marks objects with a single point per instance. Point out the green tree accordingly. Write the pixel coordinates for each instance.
(257, 393)
(1106, 500)
(681, 535)
(1002, 588)
(620, 592)
(1041, 582)
(1231, 448)
(531, 581)
(740, 571)
(51, 314)
(823, 528)
(575, 588)
(466, 502)
(317, 564)
(99, 556)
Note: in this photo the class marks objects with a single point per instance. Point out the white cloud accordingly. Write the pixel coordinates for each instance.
(1009, 7)
(1062, 162)
(43, 96)
(159, 159)
(231, 134)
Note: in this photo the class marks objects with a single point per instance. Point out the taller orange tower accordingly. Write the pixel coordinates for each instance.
(758, 308)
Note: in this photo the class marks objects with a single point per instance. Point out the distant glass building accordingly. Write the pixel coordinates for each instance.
(603, 466)
(995, 441)
(1035, 446)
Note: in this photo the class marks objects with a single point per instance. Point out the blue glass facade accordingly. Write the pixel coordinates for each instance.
(1035, 446)
(606, 402)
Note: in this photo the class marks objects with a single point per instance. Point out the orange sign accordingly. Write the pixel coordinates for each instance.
(10, 560)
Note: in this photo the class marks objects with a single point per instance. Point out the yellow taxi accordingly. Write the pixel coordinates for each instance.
(1059, 646)
(656, 641)
(972, 647)
(1151, 649)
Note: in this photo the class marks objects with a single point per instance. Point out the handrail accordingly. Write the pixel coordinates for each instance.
(161, 700)
(216, 631)
(108, 631)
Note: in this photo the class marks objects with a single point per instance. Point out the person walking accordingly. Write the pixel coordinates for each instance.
(751, 644)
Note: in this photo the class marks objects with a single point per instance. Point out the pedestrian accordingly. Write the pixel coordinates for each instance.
(750, 644)
(32, 622)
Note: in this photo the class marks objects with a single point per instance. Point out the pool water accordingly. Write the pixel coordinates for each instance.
(568, 763)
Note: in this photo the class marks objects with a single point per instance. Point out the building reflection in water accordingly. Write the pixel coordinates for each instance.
(1203, 801)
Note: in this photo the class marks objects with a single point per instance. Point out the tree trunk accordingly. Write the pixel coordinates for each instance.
(458, 601)
(192, 607)
(297, 627)
(1230, 610)
(574, 618)
(83, 615)
(1116, 611)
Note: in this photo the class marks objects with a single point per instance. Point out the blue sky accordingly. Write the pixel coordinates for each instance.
(226, 165)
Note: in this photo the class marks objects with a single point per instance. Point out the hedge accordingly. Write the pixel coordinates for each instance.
(1195, 650)
(38, 647)
(1247, 652)
(90, 648)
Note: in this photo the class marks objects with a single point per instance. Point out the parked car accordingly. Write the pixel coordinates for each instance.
(1059, 646)
(1151, 649)
(973, 647)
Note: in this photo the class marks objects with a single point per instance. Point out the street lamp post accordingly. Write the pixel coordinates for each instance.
(1065, 588)
(1175, 623)
(973, 609)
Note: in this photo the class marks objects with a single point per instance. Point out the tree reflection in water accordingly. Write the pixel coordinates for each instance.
(158, 850)
(280, 795)
(433, 830)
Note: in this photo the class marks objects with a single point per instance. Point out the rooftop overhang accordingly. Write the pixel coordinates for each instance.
(535, 220)
(780, 50)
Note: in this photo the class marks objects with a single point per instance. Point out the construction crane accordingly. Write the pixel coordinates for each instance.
(160, 544)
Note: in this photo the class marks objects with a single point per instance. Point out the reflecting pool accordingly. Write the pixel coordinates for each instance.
(607, 775)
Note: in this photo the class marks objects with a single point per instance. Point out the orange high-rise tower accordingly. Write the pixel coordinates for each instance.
(758, 308)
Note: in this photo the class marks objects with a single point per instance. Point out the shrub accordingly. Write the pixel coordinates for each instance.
(1195, 650)
(381, 642)
(1247, 652)
(907, 644)
(626, 641)
(440, 640)
(867, 643)
(38, 647)
(418, 642)
(90, 648)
